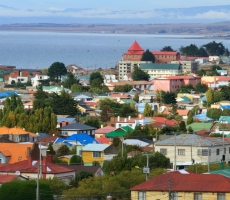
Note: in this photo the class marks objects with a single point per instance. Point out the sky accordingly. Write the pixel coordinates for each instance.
(120, 9)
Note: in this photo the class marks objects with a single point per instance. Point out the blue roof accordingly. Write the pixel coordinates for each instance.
(63, 119)
(61, 140)
(202, 117)
(82, 138)
(224, 118)
(7, 94)
(225, 107)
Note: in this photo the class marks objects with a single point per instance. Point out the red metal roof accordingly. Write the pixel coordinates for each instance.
(135, 47)
(186, 183)
(105, 130)
(165, 52)
(103, 140)
(165, 121)
(4, 178)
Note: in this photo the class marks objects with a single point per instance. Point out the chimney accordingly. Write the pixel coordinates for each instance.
(30, 160)
(118, 118)
(129, 117)
(44, 166)
(49, 158)
(102, 126)
(125, 120)
(28, 152)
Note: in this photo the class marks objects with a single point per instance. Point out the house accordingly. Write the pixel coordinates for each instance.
(141, 106)
(74, 128)
(38, 78)
(135, 142)
(6, 178)
(185, 149)
(165, 121)
(82, 97)
(28, 105)
(173, 83)
(17, 134)
(183, 185)
(197, 126)
(29, 168)
(134, 53)
(103, 140)
(98, 153)
(119, 96)
(214, 59)
(104, 130)
(215, 81)
(147, 96)
(48, 140)
(127, 101)
(165, 56)
(183, 113)
(63, 121)
(120, 132)
(161, 70)
(76, 70)
(110, 78)
(14, 152)
(54, 89)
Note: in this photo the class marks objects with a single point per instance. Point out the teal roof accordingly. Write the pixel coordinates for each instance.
(224, 172)
(128, 101)
(185, 99)
(144, 66)
(224, 118)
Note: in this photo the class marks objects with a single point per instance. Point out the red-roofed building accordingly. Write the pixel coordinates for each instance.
(166, 56)
(47, 140)
(164, 121)
(103, 140)
(173, 83)
(5, 178)
(183, 186)
(101, 132)
(134, 53)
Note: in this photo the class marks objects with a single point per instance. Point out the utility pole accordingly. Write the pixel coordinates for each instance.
(169, 185)
(175, 152)
(39, 172)
(122, 147)
(146, 169)
(208, 160)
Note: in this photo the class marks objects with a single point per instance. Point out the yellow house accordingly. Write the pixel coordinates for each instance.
(98, 153)
(178, 186)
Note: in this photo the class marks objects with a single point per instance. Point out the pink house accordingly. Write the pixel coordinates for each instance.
(173, 83)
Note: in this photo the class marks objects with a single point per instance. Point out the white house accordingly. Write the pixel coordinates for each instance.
(22, 79)
(39, 77)
(185, 149)
(213, 58)
(110, 78)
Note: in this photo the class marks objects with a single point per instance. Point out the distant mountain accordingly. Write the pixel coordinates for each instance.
(205, 14)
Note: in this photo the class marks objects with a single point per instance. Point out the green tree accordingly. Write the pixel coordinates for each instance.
(201, 88)
(214, 113)
(148, 56)
(136, 97)
(63, 150)
(186, 88)
(22, 190)
(201, 72)
(76, 88)
(70, 80)
(75, 159)
(56, 70)
(217, 96)
(63, 104)
(190, 130)
(56, 185)
(209, 95)
(193, 50)
(167, 48)
(96, 75)
(138, 74)
(106, 113)
(92, 121)
(168, 97)
(126, 110)
(50, 149)
(148, 112)
(182, 127)
(214, 48)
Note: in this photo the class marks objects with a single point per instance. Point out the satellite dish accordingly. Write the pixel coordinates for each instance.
(18, 172)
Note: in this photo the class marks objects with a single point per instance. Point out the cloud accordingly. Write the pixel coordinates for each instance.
(211, 15)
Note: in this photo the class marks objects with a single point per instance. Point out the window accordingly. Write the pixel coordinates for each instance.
(221, 196)
(181, 152)
(96, 154)
(217, 152)
(203, 152)
(224, 150)
(163, 151)
(197, 196)
(141, 196)
(174, 196)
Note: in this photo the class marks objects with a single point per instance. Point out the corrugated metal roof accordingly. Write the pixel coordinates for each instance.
(95, 147)
(191, 140)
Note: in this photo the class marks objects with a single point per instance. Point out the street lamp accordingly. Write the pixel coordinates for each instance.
(146, 169)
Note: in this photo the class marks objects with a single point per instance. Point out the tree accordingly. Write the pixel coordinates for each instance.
(70, 80)
(168, 97)
(217, 96)
(214, 113)
(201, 87)
(167, 48)
(56, 185)
(126, 110)
(122, 88)
(138, 74)
(76, 88)
(182, 127)
(214, 48)
(136, 97)
(186, 88)
(56, 70)
(63, 150)
(75, 159)
(106, 113)
(193, 50)
(148, 56)
(50, 149)
(190, 130)
(63, 104)
(92, 121)
(201, 72)
(148, 112)
(96, 75)
(22, 190)
(209, 95)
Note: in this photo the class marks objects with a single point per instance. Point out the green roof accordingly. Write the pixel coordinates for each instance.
(224, 172)
(144, 66)
(128, 101)
(185, 99)
(200, 126)
(120, 132)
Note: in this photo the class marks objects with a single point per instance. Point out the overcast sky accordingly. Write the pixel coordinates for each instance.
(112, 9)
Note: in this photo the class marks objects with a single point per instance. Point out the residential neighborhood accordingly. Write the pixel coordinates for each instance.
(156, 127)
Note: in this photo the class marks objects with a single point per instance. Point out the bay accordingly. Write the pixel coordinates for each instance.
(36, 50)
